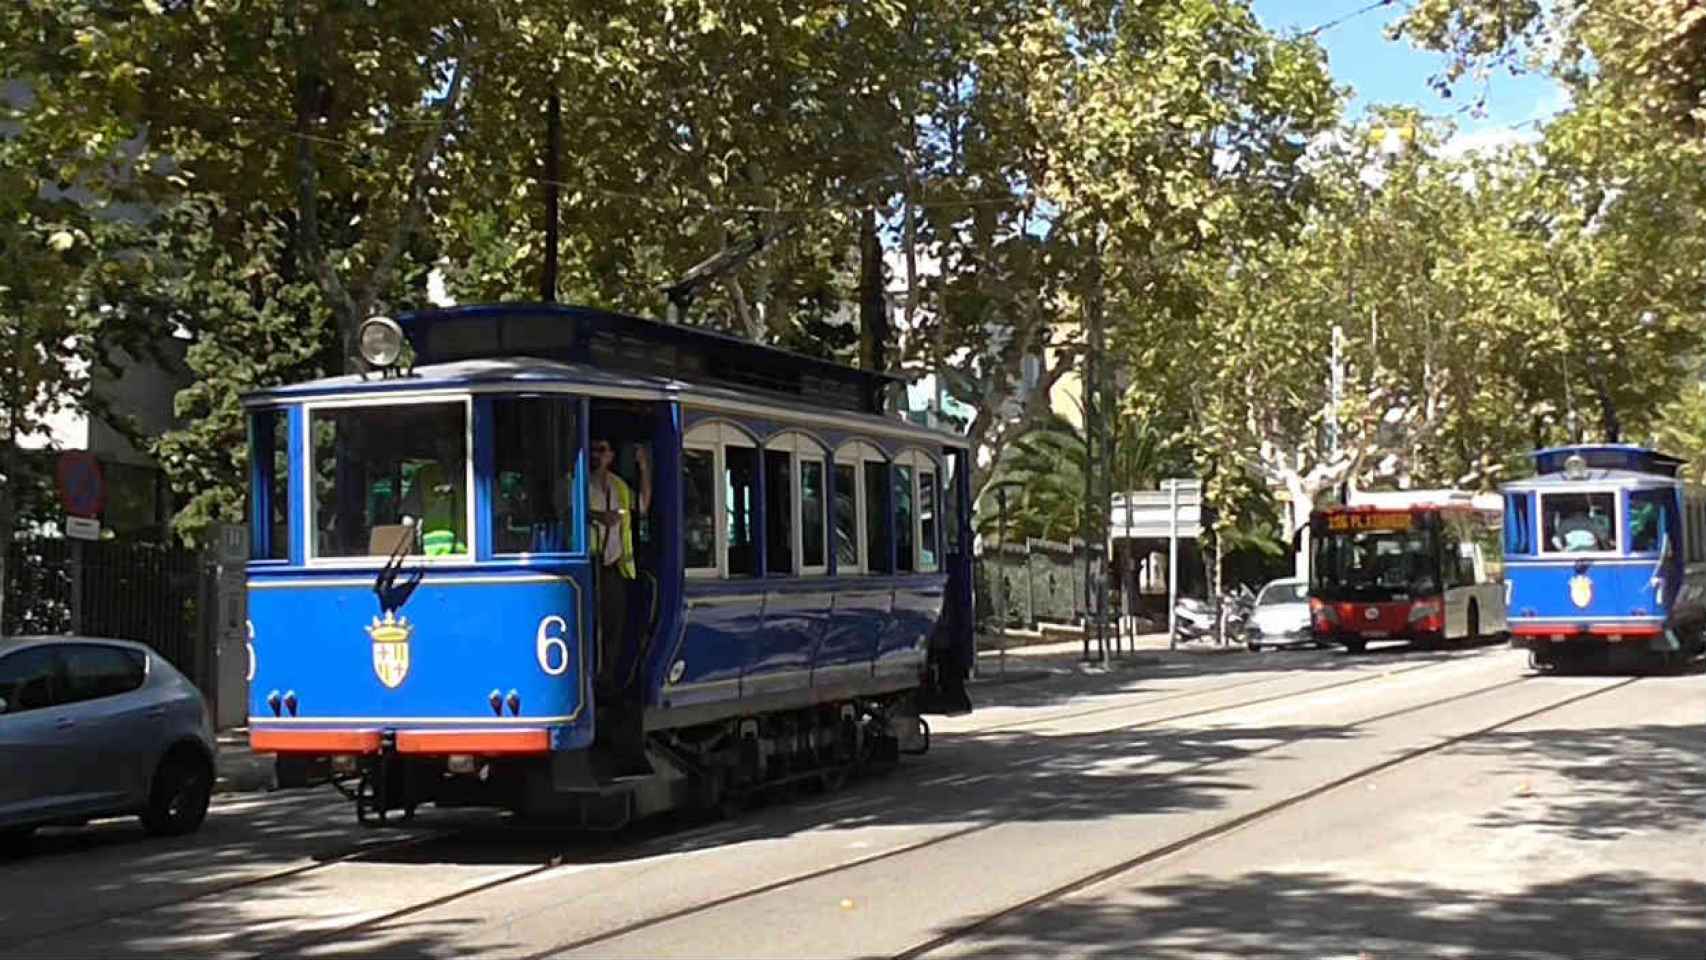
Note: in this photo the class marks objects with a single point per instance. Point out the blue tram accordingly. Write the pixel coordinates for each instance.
(585, 565)
(1605, 554)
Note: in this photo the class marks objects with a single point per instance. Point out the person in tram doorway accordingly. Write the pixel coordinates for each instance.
(611, 506)
(438, 497)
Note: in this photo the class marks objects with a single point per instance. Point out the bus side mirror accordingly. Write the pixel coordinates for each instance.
(1297, 539)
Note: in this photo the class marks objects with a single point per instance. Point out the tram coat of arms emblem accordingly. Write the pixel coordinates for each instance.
(391, 648)
(1581, 590)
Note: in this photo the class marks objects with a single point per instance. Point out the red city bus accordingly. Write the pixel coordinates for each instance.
(1426, 573)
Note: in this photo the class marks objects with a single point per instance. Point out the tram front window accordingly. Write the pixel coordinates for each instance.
(374, 465)
(1578, 522)
(534, 445)
(1376, 565)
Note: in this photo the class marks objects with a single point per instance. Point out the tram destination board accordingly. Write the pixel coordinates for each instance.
(1370, 520)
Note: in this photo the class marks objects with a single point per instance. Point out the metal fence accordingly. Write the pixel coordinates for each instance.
(129, 591)
(1036, 581)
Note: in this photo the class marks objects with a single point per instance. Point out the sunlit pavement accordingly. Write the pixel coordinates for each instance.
(1305, 803)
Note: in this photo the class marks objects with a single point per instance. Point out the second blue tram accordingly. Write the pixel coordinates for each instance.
(427, 602)
(1605, 554)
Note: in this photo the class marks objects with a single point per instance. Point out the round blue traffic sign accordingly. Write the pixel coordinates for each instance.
(82, 488)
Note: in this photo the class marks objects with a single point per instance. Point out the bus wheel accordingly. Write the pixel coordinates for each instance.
(1356, 646)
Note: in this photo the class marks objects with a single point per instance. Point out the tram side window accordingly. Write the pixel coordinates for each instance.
(740, 494)
(1652, 520)
(779, 511)
(699, 503)
(903, 514)
(535, 443)
(877, 518)
(847, 553)
(927, 520)
(269, 452)
(814, 514)
(951, 502)
(373, 465)
(1578, 522)
(1697, 541)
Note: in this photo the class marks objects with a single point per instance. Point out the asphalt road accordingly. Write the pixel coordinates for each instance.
(1303, 804)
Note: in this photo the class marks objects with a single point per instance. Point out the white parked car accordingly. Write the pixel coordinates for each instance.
(1281, 616)
(91, 727)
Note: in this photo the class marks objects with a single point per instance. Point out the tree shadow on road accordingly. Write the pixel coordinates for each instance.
(1316, 914)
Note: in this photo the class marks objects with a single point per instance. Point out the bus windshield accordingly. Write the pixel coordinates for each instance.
(1375, 565)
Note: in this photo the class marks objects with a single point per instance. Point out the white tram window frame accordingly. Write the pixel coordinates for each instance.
(717, 436)
(802, 449)
(309, 507)
(921, 463)
(856, 454)
(1618, 519)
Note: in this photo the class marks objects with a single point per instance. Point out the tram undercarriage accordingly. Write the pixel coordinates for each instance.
(1587, 653)
(717, 767)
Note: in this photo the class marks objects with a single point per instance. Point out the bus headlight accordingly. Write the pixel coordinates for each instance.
(381, 341)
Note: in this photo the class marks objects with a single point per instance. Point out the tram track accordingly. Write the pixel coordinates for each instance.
(555, 862)
(675, 842)
(1117, 870)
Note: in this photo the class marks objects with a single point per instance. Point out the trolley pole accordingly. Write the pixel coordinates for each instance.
(553, 150)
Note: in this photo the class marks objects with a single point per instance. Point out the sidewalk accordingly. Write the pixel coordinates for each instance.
(237, 769)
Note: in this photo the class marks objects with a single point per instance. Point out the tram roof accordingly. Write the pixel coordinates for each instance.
(529, 373)
(624, 343)
(1606, 458)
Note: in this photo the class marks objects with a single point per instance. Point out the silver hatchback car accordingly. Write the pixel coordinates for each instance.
(92, 728)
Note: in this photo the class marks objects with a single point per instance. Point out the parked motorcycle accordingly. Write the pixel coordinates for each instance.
(1223, 619)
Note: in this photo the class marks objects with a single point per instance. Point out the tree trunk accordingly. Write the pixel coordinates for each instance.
(873, 319)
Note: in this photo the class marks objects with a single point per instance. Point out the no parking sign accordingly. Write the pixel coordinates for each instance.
(82, 487)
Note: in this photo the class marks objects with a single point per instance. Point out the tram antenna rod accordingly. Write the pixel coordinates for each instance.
(553, 150)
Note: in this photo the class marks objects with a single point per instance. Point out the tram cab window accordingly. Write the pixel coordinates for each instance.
(1519, 528)
(1652, 521)
(269, 452)
(1578, 522)
(373, 465)
(534, 449)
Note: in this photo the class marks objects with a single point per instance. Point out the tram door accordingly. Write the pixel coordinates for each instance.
(952, 647)
(624, 526)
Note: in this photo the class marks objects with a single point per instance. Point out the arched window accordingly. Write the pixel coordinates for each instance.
(719, 468)
(861, 508)
(796, 505)
(916, 511)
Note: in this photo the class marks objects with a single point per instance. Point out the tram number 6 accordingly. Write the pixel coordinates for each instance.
(545, 642)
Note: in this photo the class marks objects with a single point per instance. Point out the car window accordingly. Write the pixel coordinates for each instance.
(93, 671)
(29, 680)
(1280, 593)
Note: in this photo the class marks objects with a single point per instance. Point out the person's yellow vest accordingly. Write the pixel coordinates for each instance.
(443, 512)
(625, 503)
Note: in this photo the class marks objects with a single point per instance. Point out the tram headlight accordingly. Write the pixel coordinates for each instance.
(1576, 467)
(381, 341)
